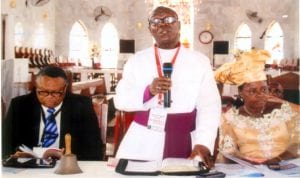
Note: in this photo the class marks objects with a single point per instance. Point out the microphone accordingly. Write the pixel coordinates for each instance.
(167, 70)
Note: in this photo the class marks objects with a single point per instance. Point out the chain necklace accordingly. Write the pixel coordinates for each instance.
(252, 114)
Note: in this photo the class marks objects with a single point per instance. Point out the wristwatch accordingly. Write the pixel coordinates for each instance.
(205, 37)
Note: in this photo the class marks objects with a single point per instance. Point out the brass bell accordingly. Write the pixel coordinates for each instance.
(68, 162)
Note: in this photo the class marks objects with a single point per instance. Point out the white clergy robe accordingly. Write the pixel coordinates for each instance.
(193, 87)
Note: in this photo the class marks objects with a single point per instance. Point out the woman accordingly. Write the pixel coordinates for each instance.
(257, 131)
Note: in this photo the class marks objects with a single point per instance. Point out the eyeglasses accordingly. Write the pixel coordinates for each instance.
(166, 20)
(52, 93)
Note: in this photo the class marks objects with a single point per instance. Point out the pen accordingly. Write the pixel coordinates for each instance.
(256, 174)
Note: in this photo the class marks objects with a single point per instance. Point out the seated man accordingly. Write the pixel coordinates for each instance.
(43, 117)
(276, 89)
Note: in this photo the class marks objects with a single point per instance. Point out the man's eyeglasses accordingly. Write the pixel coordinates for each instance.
(52, 93)
(166, 20)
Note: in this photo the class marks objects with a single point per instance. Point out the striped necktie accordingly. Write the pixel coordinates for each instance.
(50, 131)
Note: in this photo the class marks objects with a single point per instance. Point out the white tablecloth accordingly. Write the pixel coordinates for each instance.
(91, 169)
(100, 169)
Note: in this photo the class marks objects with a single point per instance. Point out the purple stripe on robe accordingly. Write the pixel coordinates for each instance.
(147, 94)
(178, 127)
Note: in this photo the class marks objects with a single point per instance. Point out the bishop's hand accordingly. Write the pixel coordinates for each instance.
(160, 85)
(204, 153)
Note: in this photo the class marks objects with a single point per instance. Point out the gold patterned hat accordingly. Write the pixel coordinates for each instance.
(249, 67)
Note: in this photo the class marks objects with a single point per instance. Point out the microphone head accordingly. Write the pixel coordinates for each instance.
(167, 68)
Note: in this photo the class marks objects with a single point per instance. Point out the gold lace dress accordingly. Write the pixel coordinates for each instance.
(258, 138)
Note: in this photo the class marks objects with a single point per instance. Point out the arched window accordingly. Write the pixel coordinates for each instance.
(109, 46)
(19, 34)
(274, 42)
(243, 37)
(79, 45)
(39, 40)
(185, 10)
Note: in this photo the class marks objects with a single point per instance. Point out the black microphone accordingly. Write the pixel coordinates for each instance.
(167, 70)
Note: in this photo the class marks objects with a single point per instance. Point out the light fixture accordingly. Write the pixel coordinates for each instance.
(12, 3)
(182, 4)
(140, 25)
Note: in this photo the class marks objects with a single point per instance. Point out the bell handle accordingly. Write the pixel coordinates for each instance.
(68, 144)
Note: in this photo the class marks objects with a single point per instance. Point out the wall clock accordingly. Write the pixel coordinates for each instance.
(205, 37)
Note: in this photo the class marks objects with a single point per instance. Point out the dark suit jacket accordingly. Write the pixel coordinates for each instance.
(22, 125)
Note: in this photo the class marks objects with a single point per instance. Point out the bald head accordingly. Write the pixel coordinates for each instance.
(162, 9)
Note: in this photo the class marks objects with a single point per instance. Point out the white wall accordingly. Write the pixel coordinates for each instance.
(30, 17)
(226, 16)
(223, 15)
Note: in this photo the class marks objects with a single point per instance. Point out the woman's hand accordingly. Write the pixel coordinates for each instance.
(275, 160)
(160, 85)
(283, 156)
(204, 153)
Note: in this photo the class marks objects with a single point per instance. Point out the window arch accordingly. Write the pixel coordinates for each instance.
(79, 44)
(19, 34)
(39, 40)
(243, 38)
(109, 46)
(274, 42)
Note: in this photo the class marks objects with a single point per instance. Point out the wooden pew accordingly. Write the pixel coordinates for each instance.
(95, 89)
(290, 84)
(89, 87)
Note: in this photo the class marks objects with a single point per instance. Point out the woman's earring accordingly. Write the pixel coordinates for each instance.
(239, 101)
(242, 99)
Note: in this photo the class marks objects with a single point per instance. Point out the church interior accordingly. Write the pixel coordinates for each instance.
(93, 39)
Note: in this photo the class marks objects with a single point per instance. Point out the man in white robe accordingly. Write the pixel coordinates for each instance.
(188, 128)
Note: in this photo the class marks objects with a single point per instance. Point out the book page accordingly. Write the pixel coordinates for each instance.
(179, 165)
(142, 166)
(239, 161)
(237, 170)
(27, 150)
(263, 169)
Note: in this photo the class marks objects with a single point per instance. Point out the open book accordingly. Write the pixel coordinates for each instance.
(28, 151)
(29, 159)
(37, 152)
(168, 166)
